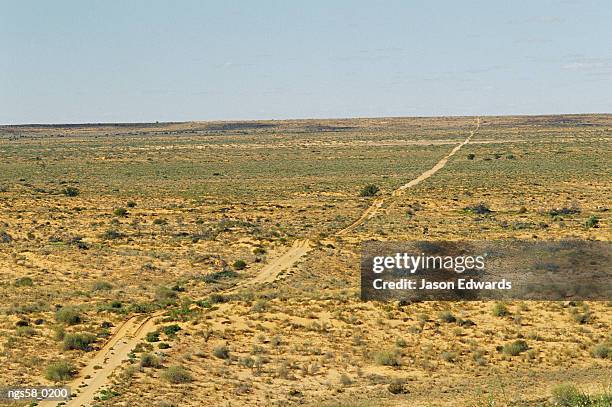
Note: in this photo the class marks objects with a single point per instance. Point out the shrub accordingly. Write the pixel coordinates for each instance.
(5, 237)
(165, 294)
(24, 282)
(240, 264)
(171, 330)
(68, 315)
(397, 386)
(70, 191)
(112, 234)
(60, 371)
(369, 190)
(131, 204)
(221, 352)
(500, 309)
(581, 317)
(102, 286)
(78, 341)
(602, 351)
(478, 209)
(345, 380)
(120, 212)
(563, 211)
(160, 221)
(515, 348)
(177, 374)
(449, 357)
(150, 360)
(447, 316)
(25, 331)
(163, 345)
(152, 336)
(567, 395)
(389, 357)
(592, 222)
(471, 156)
(259, 250)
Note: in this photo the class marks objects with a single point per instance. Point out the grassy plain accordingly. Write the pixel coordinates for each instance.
(100, 223)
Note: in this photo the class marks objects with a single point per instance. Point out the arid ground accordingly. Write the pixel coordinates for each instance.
(195, 264)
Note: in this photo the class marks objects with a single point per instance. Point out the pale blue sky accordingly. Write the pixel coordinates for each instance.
(108, 61)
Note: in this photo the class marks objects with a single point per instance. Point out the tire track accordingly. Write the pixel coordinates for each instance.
(96, 375)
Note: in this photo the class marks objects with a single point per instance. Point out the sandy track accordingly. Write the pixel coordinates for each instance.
(131, 332)
(378, 202)
(112, 354)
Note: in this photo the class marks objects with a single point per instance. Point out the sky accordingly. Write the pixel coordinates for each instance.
(143, 61)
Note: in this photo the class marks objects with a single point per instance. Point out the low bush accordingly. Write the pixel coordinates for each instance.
(515, 348)
(478, 209)
(150, 360)
(500, 309)
(592, 222)
(369, 190)
(60, 371)
(602, 351)
(24, 282)
(176, 374)
(71, 191)
(120, 212)
(221, 352)
(78, 341)
(240, 264)
(388, 357)
(68, 315)
(102, 286)
(447, 316)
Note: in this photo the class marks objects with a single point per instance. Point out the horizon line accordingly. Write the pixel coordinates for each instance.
(135, 123)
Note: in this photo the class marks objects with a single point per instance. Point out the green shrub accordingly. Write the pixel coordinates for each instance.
(26, 331)
(602, 351)
(471, 156)
(163, 345)
(131, 204)
(78, 341)
(112, 234)
(388, 357)
(240, 264)
(102, 286)
(221, 352)
(369, 190)
(60, 371)
(150, 360)
(152, 336)
(515, 348)
(70, 191)
(478, 209)
(500, 309)
(68, 315)
(592, 222)
(165, 294)
(24, 282)
(567, 395)
(176, 374)
(449, 356)
(170, 330)
(5, 237)
(120, 212)
(447, 316)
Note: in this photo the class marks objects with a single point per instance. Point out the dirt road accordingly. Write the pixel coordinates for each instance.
(111, 356)
(378, 202)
